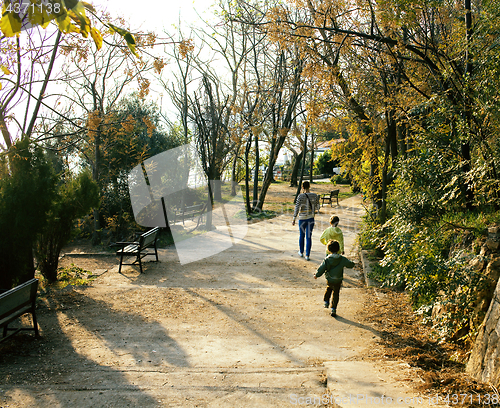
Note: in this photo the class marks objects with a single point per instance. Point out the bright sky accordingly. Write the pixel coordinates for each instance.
(161, 19)
(166, 18)
(163, 16)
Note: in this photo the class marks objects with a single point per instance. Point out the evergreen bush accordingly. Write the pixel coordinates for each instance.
(27, 191)
(73, 199)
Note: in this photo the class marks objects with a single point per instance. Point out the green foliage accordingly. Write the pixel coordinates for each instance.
(370, 234)
(432, 259)
(458, 296)
(379, 272)
(132, 132)
(415, 255)
(411, 246)
(430, 237)
(325, 163)
(74, 199)
(73, 275)
(422, 184)
(340, 179)
(257, 215)
(27, 190)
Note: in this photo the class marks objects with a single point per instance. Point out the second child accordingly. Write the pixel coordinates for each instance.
(333, 233)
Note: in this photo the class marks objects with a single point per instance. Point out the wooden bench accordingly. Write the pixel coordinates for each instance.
(329, 197)
(191, 212)
(16, 302)
(138, 248)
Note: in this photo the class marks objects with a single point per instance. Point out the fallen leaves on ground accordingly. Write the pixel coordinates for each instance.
(404, 337)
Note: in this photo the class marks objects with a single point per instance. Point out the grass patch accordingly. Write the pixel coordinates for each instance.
(346, 194)
(279, 208)
(475, 222)
(262, 215)
(258, 216)
(71, 275)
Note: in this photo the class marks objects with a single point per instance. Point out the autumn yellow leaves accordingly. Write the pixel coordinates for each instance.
(70, 16)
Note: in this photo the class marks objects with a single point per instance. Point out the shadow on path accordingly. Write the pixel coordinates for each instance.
(78, 359)
(240, 320)
(358, 325)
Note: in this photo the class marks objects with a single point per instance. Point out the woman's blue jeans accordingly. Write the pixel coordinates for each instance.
(305, 232)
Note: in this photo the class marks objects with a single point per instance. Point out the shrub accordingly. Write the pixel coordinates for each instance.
(74, 199)
(340, 179)
(73, 275)
(325, 164)
(27, 189)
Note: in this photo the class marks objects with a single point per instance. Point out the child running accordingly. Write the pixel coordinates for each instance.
(333, 268)
(333, 233)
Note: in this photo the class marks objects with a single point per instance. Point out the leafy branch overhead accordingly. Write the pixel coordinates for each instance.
(70, 17)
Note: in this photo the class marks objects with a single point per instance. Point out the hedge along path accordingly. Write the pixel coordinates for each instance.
(245, 327)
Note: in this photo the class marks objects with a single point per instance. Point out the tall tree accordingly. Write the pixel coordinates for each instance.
(133, 131)
(284, 92)
(27, 69)
(95, 85)
(210, 112)
(417, 61)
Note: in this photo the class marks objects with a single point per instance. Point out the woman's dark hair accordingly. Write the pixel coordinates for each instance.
(305, 185)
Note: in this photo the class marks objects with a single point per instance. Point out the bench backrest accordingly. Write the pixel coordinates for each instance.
(333, 193)
(196, 207)
(149, 237)
(18, 297)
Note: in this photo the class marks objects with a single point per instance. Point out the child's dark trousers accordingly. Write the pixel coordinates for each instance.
(335, 289)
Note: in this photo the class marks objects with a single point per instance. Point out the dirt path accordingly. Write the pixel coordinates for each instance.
(243, 328)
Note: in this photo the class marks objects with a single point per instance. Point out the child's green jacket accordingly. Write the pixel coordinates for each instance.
(333, 268)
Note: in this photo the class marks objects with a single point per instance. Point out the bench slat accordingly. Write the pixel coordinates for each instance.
(129, 250)
(14, 300)
(19, 311)
(190, 212)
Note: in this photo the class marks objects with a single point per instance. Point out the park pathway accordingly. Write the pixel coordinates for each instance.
(243, 328)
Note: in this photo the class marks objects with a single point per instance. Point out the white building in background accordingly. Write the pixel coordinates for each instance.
(284, 157)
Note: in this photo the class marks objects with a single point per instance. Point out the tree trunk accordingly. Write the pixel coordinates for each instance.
(96, 234)
(217, 190)
(297, 159)
(234, 182)
(465, 149)
(311, 164)
(383, 193)
(304, 154)
(269, 177)
(392, 132)
(403, 147)
(256, 173)
(247, 175)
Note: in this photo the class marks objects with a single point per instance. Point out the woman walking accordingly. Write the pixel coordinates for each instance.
(305, 208)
